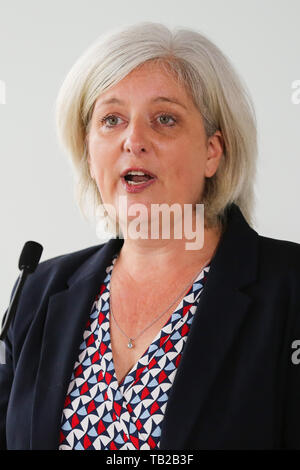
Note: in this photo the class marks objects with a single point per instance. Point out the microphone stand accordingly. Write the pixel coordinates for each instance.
(8, 317)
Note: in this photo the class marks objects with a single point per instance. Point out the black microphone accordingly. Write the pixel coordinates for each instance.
(29, 259)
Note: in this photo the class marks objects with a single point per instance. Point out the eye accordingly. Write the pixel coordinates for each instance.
(167, 117)
(111, 117)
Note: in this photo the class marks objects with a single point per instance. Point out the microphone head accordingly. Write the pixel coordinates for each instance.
(30, 256)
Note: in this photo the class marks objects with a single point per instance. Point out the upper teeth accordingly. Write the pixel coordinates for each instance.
(135, 173)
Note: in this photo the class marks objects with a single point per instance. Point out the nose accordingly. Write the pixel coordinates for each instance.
(136, 141)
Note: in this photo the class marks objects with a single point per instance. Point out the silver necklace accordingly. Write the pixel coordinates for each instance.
(131, 340)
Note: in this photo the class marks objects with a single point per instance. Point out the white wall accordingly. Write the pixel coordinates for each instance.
(40, 40)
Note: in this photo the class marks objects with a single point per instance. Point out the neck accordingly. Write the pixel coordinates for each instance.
(165, 255)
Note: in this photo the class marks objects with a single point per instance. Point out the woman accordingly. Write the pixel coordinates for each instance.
(139, 342)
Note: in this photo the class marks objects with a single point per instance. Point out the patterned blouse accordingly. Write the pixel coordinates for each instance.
(101, 414)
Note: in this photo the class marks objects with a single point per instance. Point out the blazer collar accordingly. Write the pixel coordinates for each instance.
(220, 313)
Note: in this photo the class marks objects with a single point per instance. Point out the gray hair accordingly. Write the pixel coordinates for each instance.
(218, 92)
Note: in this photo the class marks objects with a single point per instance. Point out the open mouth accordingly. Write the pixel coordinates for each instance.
(137, 180)
(133, 179)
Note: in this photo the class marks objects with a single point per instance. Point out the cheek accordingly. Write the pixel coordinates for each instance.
(187, 167)
(96, 152)
(101, 160)
(188, 175)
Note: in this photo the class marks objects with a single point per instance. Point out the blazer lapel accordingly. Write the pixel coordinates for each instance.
(66, 317)
(219, 316)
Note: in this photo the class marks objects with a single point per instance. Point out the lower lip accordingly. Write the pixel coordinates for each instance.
(136, 188)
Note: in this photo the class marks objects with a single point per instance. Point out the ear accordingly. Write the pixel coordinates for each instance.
(215, 149)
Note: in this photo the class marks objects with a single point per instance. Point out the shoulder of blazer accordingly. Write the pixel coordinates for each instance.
(277, 254)
(66, 263)
(50, 277)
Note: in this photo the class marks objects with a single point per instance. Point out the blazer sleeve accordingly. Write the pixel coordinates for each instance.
(292, 396)
(6, 379)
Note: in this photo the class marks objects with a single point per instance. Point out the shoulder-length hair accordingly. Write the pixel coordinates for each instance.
(218, 92)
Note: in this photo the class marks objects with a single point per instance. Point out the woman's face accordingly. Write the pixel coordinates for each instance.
(148, 121)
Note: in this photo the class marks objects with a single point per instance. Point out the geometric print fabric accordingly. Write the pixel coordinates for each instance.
(101, 414)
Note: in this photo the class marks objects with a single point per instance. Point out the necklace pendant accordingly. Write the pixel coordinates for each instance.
(130, 343)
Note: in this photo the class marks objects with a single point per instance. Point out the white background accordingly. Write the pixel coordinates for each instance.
(40, 41)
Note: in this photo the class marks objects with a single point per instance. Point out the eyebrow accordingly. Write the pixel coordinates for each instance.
(170, 99)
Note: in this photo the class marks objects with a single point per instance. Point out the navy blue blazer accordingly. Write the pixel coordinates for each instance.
(237, 385)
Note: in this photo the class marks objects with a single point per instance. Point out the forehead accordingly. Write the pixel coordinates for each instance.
(149, 81)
